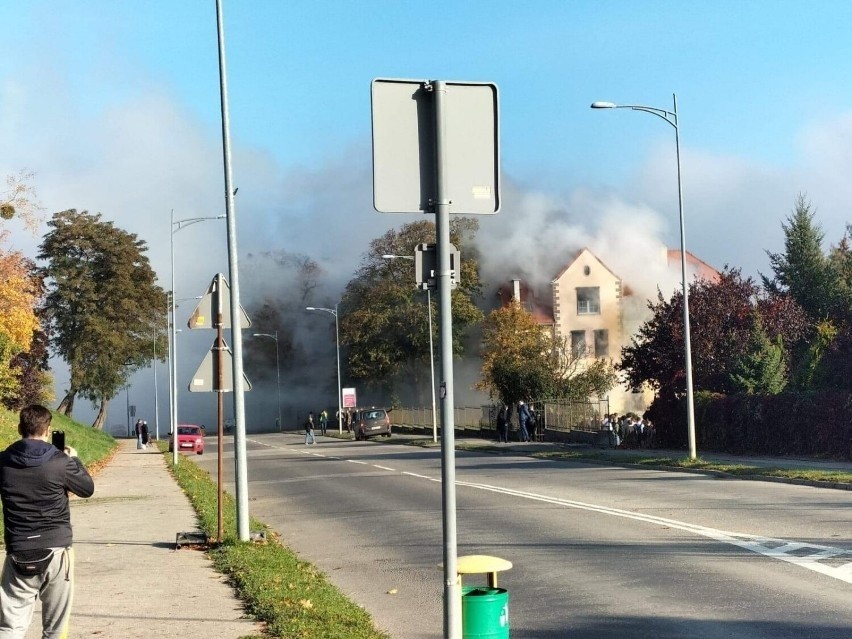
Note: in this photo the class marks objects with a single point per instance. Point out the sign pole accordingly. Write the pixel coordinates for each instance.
(240, 470)
(452, 587)
(220, 386)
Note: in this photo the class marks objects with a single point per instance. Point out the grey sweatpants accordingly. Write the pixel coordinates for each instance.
(55, 588)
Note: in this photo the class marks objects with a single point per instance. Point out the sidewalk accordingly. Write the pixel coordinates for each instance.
(130, 581)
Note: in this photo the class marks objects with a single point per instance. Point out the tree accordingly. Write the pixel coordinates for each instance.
(723, 317)
(761, 370)
(822, 285)
(522, 360)
(20, 200)
(803, 270)
(105, 310)
(19, 296)
(383, 317)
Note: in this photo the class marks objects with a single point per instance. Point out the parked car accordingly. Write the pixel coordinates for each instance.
(190, 439)
(369, 422)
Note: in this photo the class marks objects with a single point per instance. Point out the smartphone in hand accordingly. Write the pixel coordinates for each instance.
(57, 438)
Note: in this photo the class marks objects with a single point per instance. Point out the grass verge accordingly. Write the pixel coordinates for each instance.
(289, 595)
(740, 470)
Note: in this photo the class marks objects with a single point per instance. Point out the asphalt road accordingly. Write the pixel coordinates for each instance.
(598, 551)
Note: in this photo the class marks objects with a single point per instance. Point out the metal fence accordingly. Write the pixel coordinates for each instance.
(564, 415)
(559, 415)
(463, 416)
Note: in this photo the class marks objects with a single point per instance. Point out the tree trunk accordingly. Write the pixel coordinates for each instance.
(102, 413)
(66, 406)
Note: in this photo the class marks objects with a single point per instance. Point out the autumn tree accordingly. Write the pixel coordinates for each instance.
(19, 296)
(522, 360)
(723, 316)
(105, 310)
(384, 318)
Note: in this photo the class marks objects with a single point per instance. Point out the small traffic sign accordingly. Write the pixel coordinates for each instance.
(204, 315)
(426, 266)
(206, 377)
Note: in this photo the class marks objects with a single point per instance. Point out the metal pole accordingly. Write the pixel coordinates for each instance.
(432, 368)
(339, 388)
(452, 587)
(174, 353)
(127, 397)
(156, 396)
(220, 405)
(278, 382)
(687, 342)
(672, 118)
(240, 471)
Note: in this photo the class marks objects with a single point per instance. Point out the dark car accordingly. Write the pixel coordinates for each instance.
(369, 422)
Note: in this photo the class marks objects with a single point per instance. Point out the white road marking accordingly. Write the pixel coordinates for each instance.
(421, 476)
(803, 555)
(766, 546)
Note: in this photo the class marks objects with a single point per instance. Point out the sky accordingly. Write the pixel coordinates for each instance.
(115, 106)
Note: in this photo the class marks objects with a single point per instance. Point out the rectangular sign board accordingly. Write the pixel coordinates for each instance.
(349, 399)
(404, 139)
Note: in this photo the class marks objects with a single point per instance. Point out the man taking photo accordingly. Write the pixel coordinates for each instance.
(35, 479)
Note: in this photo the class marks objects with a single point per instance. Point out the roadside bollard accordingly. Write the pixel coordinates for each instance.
(485, 609)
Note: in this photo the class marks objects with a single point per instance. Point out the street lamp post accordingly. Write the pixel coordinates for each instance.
(333, 311)
(156, 394)
(671, 118)
(431, 348)
(177, 225)
(277, 372)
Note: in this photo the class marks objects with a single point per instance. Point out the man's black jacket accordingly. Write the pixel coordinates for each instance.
(35, 478)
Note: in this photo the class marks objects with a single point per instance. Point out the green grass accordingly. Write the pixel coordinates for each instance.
(740, 470)
(291, 596)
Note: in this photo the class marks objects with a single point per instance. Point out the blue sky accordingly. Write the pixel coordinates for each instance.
(115, 106)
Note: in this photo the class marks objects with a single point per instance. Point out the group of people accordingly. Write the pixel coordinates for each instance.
(630, 430)
(142, 436)
(527, 422)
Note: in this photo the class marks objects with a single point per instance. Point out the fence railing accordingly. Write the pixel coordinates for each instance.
(561, 415)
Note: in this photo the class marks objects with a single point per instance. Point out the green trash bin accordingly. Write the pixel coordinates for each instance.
(485, 613)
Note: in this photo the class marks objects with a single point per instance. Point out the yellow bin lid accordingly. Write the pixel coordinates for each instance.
(473, 564)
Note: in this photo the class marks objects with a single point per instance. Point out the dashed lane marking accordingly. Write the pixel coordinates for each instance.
(826, 560)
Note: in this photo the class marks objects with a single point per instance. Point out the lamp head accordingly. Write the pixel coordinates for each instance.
(603, 105)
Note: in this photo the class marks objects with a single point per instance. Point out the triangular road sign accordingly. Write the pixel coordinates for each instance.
(206, 377)
(204, 315)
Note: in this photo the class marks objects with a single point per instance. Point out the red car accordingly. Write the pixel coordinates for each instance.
(190, 439)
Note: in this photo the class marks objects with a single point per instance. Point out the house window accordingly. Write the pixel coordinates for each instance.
(578, 343)
(602, 343)
(588, 300)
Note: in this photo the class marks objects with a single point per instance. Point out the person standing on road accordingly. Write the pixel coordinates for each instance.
(309, 430)
(35, 479)
(323, 422)
(523, 419)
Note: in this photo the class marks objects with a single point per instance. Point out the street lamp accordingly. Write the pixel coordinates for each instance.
(431, 348)
(671, 118)
(277, 372)
(177, 225)
(333, 311)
